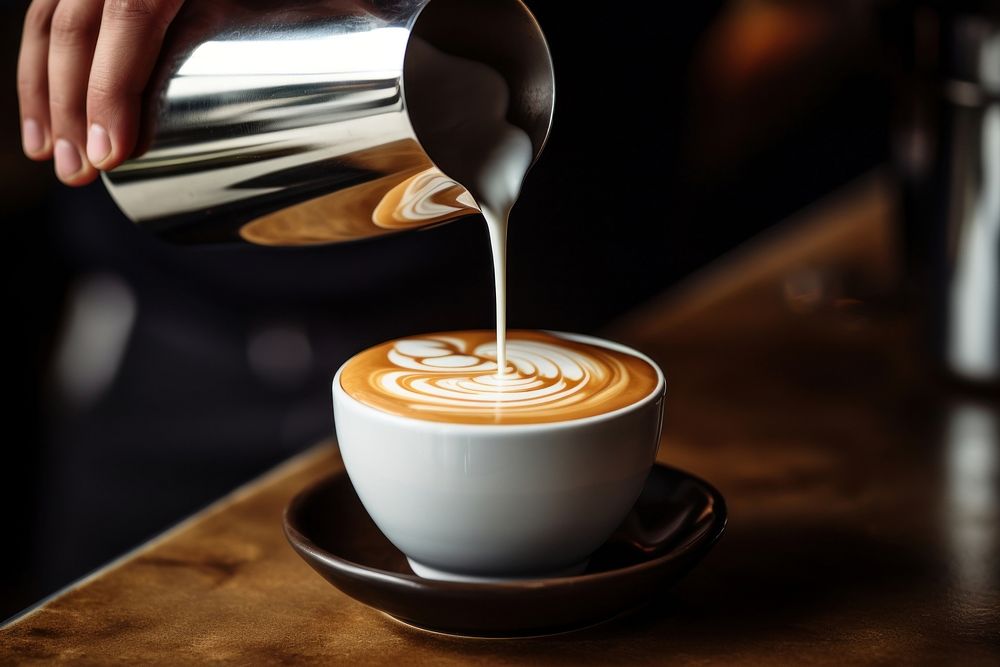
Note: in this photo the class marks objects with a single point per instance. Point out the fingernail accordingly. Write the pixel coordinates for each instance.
(32, 136)
(68, 161)
(98, 144)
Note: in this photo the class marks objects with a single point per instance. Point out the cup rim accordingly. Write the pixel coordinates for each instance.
(413, 422)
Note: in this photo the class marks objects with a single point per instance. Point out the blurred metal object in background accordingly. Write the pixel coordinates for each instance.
(290, 125)
(100, 317)
(950, 160)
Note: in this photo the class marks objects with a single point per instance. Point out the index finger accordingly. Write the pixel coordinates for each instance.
(129, 44)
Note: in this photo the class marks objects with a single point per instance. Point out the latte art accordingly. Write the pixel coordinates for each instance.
(453, 377)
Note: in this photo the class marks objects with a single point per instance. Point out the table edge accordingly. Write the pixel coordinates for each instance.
(297, 462)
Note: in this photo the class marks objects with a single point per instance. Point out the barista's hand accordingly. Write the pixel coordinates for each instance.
(80, 78)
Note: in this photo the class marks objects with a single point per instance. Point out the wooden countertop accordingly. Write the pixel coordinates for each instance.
(864, 500)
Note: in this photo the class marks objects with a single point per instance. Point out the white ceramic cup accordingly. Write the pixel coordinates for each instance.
(475, 502)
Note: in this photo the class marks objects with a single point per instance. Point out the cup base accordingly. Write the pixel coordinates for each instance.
(427, 572)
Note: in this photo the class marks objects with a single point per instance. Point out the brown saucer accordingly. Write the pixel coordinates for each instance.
(675, 522)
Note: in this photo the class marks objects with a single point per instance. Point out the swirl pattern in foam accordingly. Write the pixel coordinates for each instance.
(452, 377)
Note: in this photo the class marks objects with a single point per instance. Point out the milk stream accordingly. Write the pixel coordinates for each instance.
(475, 144)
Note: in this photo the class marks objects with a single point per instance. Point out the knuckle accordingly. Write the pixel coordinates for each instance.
(101, 91)
(38, 17)
(142, 11)
(64, 108)
(69, 23)
(28, 85)
(62, 105)
(105, 93)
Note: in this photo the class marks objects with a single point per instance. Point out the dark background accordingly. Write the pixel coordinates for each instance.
(680, 131)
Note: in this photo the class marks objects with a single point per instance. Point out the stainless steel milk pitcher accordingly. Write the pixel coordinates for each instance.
(286, 123)
(953, 186)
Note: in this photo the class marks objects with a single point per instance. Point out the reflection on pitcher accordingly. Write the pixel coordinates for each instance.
(385, 205)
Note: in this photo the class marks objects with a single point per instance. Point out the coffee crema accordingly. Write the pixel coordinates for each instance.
(452, 377)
